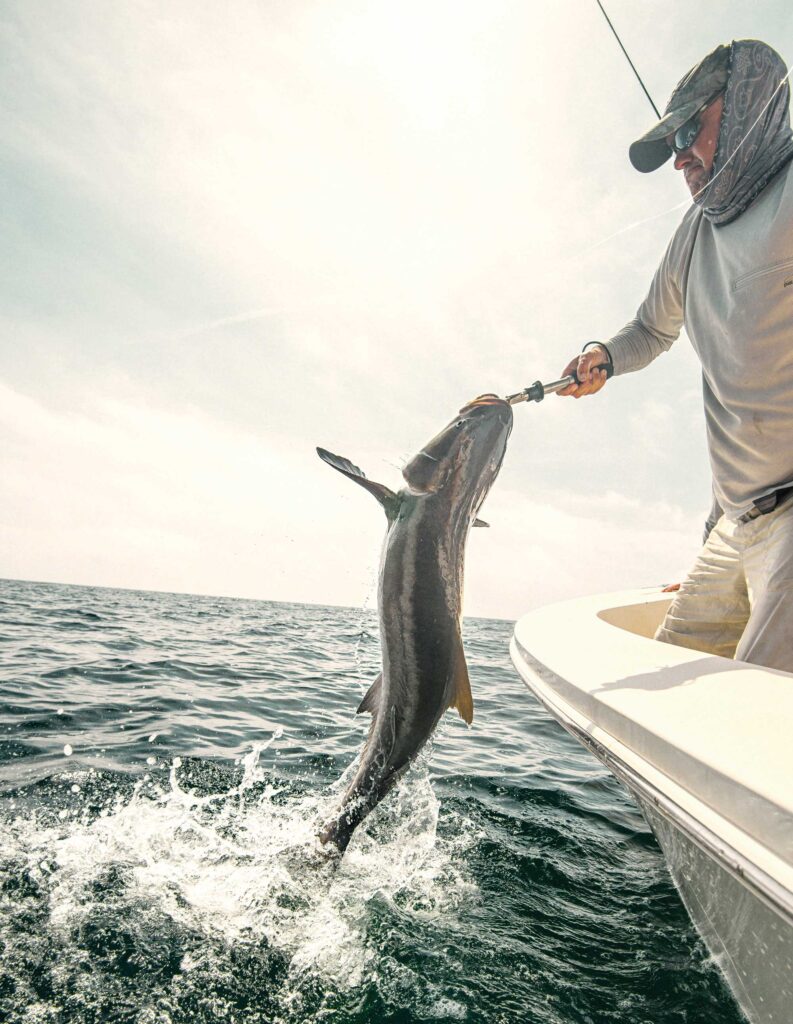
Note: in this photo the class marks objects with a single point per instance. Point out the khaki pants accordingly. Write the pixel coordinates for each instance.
(737, 601)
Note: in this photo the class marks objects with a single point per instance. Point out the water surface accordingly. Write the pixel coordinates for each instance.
(165, 761)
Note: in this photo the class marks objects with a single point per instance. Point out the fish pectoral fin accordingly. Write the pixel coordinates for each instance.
(371, 700)
(481, 522)
(384, 495)
(461, 688)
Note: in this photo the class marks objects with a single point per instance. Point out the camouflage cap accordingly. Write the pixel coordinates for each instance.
(704, 81)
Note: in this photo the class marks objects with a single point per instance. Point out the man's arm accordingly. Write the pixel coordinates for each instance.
(635, 347)
(653, 330)
(632, 349)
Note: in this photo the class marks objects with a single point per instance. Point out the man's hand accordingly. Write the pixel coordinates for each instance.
(585, 368)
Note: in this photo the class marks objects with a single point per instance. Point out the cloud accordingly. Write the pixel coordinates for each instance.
(237, 232)
(120, 493)
(126, 494)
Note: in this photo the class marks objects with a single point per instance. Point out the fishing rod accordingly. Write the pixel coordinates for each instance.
(627, 57)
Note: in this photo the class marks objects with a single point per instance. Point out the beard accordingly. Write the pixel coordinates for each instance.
(697, 178)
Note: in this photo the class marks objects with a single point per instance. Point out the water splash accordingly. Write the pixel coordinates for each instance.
(204, 877)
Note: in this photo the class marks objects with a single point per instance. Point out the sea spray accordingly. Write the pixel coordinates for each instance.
(236, 867)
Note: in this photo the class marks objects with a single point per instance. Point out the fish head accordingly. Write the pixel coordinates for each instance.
(466, 455)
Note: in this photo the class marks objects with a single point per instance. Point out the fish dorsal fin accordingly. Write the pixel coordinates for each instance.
(481, 522)
(460, 697)
(371, 700)
(384, 495)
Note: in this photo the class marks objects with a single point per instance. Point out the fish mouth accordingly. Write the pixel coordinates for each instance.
(482, 401)
(475, 428)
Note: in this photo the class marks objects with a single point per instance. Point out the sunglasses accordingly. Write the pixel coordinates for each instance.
(686, 134)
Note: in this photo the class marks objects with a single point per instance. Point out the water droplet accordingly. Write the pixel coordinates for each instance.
(75, 789)
(60, 711)
(177, 762)
(151, 760)
(153, 737)
(67, 749)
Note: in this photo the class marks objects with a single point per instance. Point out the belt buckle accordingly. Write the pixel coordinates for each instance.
(764, 505)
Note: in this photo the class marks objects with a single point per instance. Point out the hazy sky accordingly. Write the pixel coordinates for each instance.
(233, 231)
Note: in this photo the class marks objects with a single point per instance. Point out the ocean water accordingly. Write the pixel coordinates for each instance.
(165, 761)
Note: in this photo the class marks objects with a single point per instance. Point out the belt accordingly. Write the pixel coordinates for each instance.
(766, 504)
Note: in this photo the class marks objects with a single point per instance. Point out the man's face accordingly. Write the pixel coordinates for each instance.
(696, 162)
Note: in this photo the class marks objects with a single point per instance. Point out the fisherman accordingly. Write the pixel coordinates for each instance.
(727, 276)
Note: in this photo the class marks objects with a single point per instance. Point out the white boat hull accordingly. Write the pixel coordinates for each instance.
(702, 743)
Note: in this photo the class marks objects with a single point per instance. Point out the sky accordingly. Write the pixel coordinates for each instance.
(230, 232)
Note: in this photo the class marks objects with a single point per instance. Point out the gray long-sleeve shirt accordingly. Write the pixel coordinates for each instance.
(732, 287)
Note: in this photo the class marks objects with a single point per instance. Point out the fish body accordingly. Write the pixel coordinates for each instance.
(420, 599)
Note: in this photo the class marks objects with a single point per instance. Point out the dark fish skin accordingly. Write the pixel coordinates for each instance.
(420, 600)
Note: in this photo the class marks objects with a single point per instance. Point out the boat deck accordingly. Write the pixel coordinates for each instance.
(711, 733)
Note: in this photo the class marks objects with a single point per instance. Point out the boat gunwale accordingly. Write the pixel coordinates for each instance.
(773, 894)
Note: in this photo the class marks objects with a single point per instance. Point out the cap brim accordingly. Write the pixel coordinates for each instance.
(651, 151)
(648, 156)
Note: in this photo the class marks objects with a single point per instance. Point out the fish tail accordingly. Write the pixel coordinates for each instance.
(356, 806)
(336, 834)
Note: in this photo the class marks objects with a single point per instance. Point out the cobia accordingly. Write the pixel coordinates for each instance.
(419, 599)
